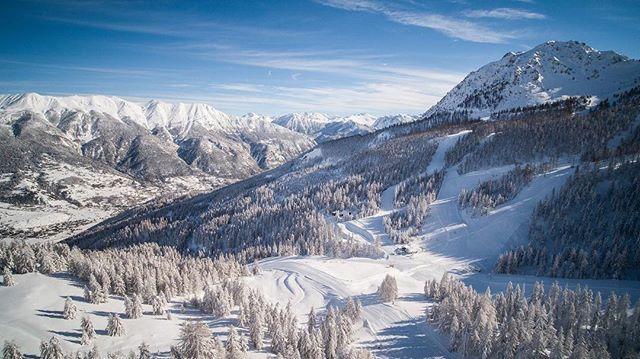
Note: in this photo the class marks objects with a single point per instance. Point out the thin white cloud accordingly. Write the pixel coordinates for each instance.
(103, 70)
(375, 98)
(450, 26)
(506, 13)
(460, 29)
(377, 89)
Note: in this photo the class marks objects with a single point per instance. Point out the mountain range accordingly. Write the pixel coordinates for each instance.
(61, 156)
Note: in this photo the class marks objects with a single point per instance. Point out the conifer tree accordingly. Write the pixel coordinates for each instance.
(234, 347)
(11, 350)
(312, 321)
(196, 341)
(7, 278)
(388, 290)
(88, 333)
(70, 311)
(51, 349)
(255, 330)
(144, 352)
(115, 328)
(93, 353)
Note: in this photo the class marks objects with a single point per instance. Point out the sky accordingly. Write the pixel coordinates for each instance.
(275, 57)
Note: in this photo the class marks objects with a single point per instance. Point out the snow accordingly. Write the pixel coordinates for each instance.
(451, 242)
(37, 300)
(547, 73)
(81, 197)
(179, 117)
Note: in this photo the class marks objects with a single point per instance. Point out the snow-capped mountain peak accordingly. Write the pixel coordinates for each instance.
(549, 72)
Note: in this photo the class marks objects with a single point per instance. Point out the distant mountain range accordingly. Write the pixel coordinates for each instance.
(323, 127)
(62, 154)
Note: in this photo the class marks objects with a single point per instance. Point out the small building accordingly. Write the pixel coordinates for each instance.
(344, 214)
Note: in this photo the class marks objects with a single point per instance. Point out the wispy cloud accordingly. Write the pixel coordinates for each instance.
(375, 98)
(102, 70)
(374, 87)
(450, 26)
(506, 13)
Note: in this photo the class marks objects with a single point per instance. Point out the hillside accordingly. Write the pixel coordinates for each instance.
(61, 157)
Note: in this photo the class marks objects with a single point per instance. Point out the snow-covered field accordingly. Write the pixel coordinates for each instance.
(451, 241)
(66, 199)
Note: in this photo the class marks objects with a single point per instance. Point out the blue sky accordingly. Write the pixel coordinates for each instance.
(274, 57)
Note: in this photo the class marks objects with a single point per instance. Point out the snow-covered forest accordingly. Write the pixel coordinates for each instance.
(552, 322)
(589, 229)
(504, 222)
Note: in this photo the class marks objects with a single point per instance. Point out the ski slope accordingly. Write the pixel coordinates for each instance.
(451, 242)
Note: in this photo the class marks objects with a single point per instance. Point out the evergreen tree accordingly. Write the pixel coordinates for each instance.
(312, 322)
(93, 353)
(234, 347)
(70, 311)
(7, 278)
(133, 307)
(88, 333)
(196, 341)
(255, 330)
(115, 328)
(144, 352)
(11, 351)
(24, 258)
(51, 349)
(388, 290)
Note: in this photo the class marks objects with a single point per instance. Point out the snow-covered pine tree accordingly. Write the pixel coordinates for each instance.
(94, 353)
(353, 309)
(136, 307)
(330, 334)
(158, 305)
(388, 290)
(234, 347)
(7, 278)
(312, 321)
(144, 352)
(24, 258)
(255, 330)
(51, 349)
(115, 328)
(196, 341)
(10, 350)
(88, 333)
(70, 311)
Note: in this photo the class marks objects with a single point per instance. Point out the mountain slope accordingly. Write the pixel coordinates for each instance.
(547, 73)
(154, 149)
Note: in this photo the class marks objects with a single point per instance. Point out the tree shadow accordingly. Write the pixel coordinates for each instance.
(102, 313)
(68, 277)
(75, 298)
(368, 299)
(408, 339)
(413, 297)
(70, 336)
(55, 314)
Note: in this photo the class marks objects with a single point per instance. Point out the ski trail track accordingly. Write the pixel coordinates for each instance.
(451, 241)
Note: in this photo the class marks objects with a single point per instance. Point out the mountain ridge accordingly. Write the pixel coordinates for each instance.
(549, 72)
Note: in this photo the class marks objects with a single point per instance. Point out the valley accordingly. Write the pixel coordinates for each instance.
(502, 222)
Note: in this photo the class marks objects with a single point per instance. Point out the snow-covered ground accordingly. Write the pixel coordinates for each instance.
(451, 241)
